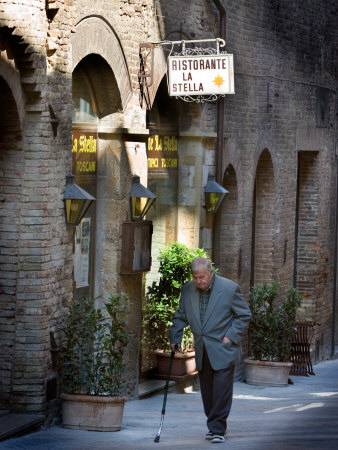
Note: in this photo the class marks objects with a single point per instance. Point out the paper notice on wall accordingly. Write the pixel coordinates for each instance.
(81, 253)
(84, 270)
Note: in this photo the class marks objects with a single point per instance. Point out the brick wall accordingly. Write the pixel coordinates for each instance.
(279, 70)
(39, 243)
(284, 102)
(285, 81)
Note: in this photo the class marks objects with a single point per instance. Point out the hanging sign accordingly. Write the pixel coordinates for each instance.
(162, 153)
(201, 75)
(84, 151)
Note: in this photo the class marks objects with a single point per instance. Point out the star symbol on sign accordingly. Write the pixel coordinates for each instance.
(218, 81)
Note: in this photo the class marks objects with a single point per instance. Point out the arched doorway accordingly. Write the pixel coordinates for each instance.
(10, 203)
(163, 125)
(96, 99)
(229, 245)
(262, 263)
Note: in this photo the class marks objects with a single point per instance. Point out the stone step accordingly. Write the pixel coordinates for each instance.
(12, 424)
(184, 384)
(152, 386)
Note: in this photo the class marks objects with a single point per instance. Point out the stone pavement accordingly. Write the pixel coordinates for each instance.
(300, 416)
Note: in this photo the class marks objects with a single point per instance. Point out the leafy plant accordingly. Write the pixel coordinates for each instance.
(94, 346)
(273, 325)
(162, 298)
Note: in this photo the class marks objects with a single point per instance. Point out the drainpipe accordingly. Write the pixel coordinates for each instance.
(334, 300)
(220, 105)
(295, 252)
(220, 134)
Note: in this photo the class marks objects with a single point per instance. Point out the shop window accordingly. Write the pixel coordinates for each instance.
(82, 102)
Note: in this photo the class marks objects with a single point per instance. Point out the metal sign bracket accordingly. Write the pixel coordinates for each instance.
(146, 72)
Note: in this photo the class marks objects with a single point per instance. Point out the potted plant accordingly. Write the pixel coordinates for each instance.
(270, 334)
(160, 303)
(95, 340)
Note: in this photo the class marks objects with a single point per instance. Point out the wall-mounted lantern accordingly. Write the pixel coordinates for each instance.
(141, 199)
(214, 194)
(136, 235)
(76, 200)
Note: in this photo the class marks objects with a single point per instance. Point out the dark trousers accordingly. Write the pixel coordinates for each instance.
(216, 390)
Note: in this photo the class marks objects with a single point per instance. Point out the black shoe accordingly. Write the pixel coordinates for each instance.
(209, 435)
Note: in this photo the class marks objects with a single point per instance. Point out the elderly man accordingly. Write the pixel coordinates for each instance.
(218, 317)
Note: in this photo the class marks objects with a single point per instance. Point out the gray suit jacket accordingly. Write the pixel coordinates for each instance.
(227, 314)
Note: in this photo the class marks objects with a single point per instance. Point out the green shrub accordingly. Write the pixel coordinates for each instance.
(162, 298)
(94, 347)
(273, 325)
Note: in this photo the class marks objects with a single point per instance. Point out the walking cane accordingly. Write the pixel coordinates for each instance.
(157, 438)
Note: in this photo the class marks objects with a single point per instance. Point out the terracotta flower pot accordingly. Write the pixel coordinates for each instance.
(183, 364)
(267, 373)
(90, 412)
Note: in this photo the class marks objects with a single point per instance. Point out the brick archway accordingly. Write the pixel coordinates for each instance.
(263, 221)
(95, 75)
(94, 36)
(229, 258)
(12, 78)
(160, 62)
(10, 197)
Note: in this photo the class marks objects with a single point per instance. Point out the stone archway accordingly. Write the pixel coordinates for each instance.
(160, 62)
(94, 33)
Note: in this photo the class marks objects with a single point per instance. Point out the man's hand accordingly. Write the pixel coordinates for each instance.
(174, 347)
(225, 340)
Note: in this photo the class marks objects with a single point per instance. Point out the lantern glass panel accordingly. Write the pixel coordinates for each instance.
(140, 206)
(212, 200)
(76, 209)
